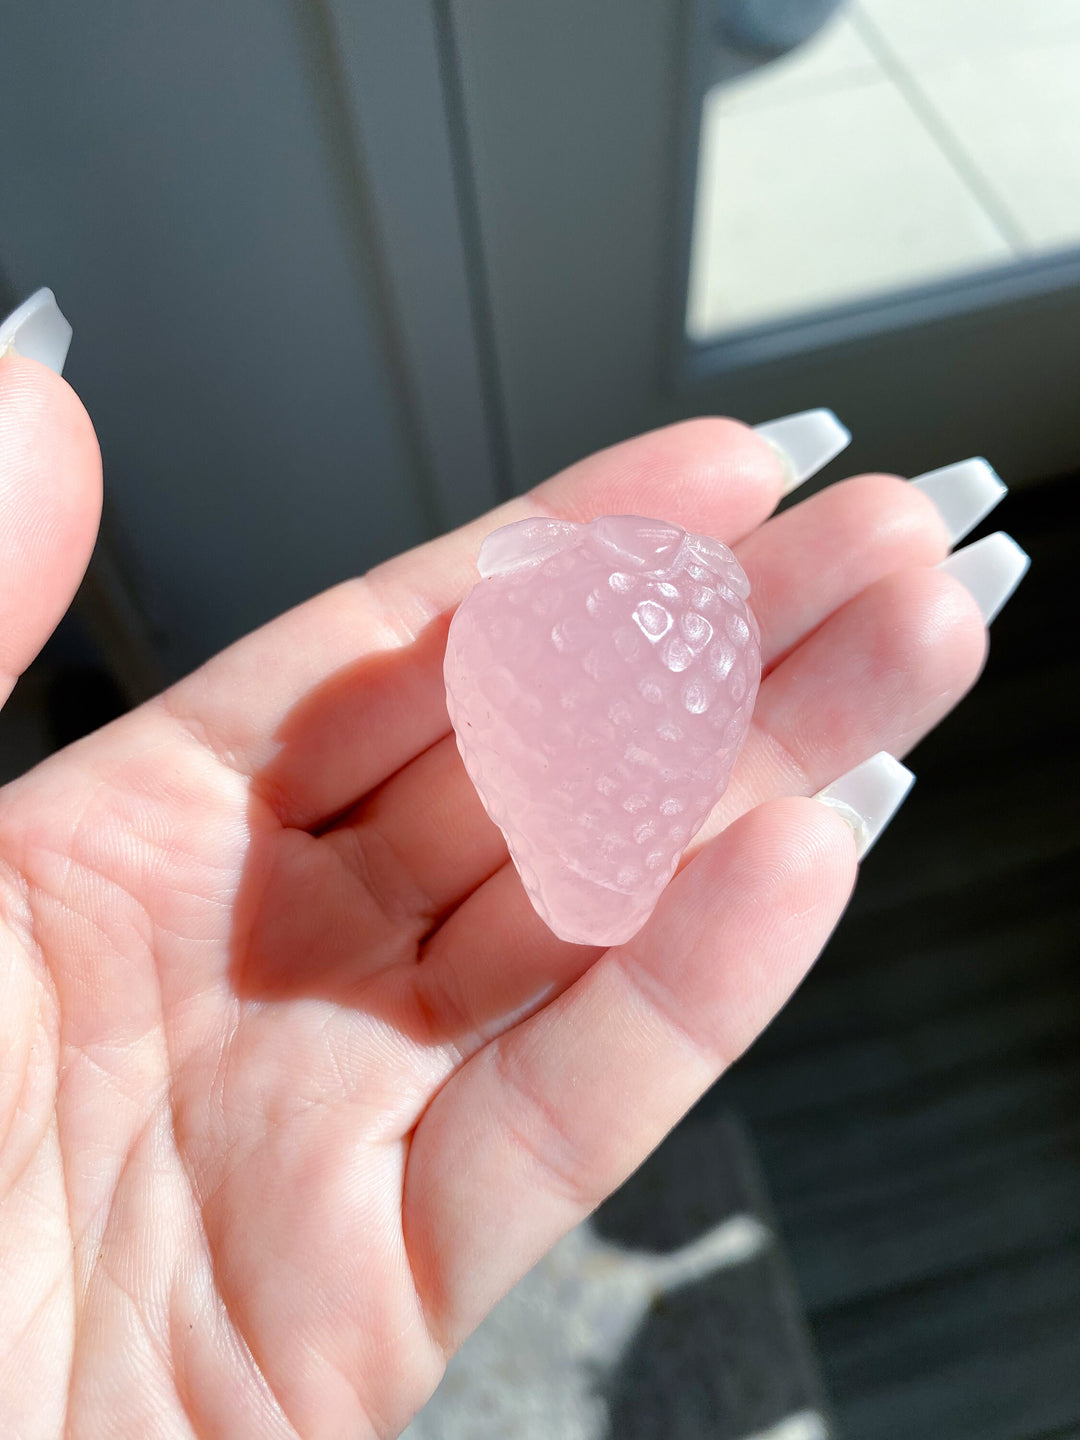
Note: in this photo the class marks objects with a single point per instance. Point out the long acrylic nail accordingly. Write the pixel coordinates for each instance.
(38, 331)
(869, 796)
(964, 493)
(805, 442)
(991, 569)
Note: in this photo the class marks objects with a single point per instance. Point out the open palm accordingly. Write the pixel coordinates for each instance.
(293, 1083)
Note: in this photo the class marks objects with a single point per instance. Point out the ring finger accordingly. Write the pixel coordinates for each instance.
(877, 675)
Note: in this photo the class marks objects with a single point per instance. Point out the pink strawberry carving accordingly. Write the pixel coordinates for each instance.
(600, 679)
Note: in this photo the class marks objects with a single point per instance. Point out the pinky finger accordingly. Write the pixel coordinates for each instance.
(539, 1126)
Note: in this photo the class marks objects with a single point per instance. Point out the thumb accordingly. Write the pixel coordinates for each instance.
(50, 484)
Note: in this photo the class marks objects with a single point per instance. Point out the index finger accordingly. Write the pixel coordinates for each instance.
(328, 700)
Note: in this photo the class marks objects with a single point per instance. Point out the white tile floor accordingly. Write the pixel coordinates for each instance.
(909, 141)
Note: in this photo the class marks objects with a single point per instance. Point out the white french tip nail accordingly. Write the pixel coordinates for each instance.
(991, 569)
(38, 331)
(869, 796)
(964, 493)
(805, 442)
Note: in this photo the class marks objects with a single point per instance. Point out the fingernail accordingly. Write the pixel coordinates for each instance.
(869, 796)
(805, 442)
(991, 569)
(964, 493)
(38, 331)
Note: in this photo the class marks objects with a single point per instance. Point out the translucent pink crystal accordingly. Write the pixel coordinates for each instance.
(600, 680)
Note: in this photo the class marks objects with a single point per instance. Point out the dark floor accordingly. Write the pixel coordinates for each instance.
(916, 1109)
(65, 694)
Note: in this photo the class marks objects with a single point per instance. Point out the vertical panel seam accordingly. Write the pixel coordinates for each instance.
(476, 275)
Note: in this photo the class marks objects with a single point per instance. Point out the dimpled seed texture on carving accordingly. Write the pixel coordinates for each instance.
(600, 680)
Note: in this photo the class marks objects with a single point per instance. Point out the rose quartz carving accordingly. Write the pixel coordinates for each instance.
(600, 680)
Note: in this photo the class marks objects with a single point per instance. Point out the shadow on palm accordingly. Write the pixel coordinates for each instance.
(329, 913)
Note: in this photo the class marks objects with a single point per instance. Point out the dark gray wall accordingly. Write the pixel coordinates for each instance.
(342, 274)
(175, 174)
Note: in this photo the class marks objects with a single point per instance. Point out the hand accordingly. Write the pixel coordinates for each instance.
(293, 1083)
